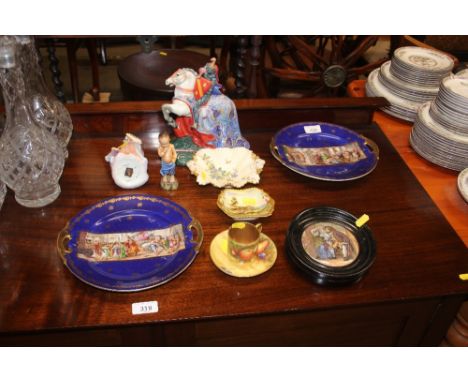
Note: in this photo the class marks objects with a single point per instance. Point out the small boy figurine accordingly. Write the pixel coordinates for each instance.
(168, 156)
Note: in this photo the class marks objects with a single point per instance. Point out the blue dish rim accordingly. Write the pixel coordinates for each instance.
(367, 145)
(67, 246)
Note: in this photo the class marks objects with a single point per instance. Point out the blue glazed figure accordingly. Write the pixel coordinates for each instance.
(202, 111)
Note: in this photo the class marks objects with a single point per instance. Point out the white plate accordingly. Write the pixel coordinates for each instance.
(458, 87)
(438, 129)
(462, 73)
(462, 183)
(389, 79)
(423, 59)
(437, 144)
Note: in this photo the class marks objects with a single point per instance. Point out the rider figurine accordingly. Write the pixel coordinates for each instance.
(204, 115)
(210, 72)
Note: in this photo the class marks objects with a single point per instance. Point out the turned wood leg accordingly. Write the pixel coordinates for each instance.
(241, 53)
(457, 335)
(93, 57)
(54, 68)
(72, 46)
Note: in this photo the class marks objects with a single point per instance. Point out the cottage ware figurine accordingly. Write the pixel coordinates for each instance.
(128, 163)
(168, 156)
(204, 116)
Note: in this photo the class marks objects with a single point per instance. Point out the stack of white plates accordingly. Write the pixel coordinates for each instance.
(421, 66)
(450, 108)
(411, 78)
(436, 143)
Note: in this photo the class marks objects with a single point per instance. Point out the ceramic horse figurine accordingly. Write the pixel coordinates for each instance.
(202, 111)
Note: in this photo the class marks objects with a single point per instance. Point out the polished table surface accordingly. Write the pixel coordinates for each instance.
(419, 255)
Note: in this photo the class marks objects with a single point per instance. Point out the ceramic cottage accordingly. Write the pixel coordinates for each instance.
(128, 163)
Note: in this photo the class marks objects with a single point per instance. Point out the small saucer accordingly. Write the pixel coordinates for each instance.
(247, 204)
(238, 268)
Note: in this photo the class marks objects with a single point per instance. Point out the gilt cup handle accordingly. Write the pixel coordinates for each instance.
(259, 227)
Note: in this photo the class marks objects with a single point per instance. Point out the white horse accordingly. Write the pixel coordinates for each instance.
(217, 116)
(184, 82)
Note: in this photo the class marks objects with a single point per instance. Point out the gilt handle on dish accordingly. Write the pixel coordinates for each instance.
(62, 248)
(372, 146)
(195, 224)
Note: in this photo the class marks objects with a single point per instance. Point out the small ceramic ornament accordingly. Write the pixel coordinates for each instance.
(168, 156)
(128, 163)
(246, 204)
(205, 117)
(226, 167)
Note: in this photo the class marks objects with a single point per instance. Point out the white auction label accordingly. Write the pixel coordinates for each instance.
(145, 307)
(312, 129)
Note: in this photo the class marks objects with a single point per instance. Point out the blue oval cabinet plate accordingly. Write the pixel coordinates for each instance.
(324, 151)
(130, 243)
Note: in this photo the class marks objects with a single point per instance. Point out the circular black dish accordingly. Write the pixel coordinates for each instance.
(327, 226)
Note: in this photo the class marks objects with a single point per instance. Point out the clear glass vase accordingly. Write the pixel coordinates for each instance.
(36, 133)
(46, 110)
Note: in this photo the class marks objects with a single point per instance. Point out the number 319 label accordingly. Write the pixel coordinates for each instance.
(145, 307)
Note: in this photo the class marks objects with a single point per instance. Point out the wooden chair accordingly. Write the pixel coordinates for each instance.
(321, 65)
(72, 43)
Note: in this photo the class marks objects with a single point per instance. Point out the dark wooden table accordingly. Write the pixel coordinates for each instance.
(409, 297)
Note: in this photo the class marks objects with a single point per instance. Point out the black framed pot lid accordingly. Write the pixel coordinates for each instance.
(330, 246)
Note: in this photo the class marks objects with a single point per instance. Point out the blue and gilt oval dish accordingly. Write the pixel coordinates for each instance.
(324, 151)
(130, 243)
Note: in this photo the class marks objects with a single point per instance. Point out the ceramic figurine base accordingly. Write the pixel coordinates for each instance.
(169, 186)
(237, 268)
(185, 149)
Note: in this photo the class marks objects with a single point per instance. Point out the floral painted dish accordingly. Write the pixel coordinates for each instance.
(246, 204)
(226, 167)
(130, 243)
(324, 151)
